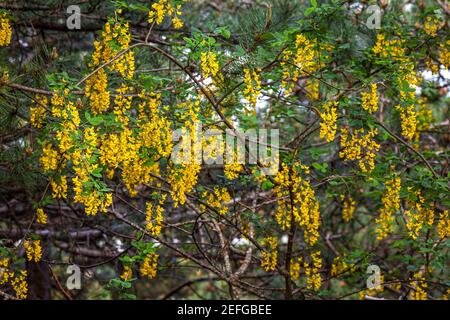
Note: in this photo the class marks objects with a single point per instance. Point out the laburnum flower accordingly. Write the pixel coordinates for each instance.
(328, 125)
(370, 99)
(41, 216)
(313, 278)
(269, 260)
(391, 204)
(149, 267)
(33, 250)
(5, 30)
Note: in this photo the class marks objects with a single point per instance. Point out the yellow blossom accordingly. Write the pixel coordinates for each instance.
(149, 267)
(328, 125)
(312, 272)
(370, 99)
(348, 207)
(41, 216)
(361, 147)
(252, 86)
(33, 250)
(391, 204)
(20, 285)
(5, 30)
(269, 260)
(419, 286)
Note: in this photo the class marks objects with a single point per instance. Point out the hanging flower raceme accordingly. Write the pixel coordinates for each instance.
(443, 226)
(418, 215)
(20, 285)
(393, 49)
(210, 66)
(297, 201)
(149, 267)
(328, 125)
(348, 207)
(218, 199)
(370, 99)
(418, 287)
(183, 175)
(312, 271)
(391, 204)
(33, 250)
(361, 147)
(431, 26)
(38, 111)
(41, 216)
(252, 86)
(408, 117)
(154, 215)
(5, 30)
(270, 256)
(304, 58)
(164, 8)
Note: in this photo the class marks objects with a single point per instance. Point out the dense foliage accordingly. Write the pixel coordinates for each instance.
(89, 177)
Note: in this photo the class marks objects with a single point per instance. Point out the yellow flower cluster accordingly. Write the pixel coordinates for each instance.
(348, 207)
(20, 285)
(209, 64)
(361, 147)
(407, 74)
(59, 188)
(122, 103)
(443, 226)
(184, 177)
(154, 216)
(369, 100)
(431, 26)
(340, 266)
(115, 37)
(312, 89)
(38, 111)
(418, 215)
(269, 257)
(33, 250)
(328, 125)
(127, 273)
(389, 48)
(218, 199)
(304, 208)
(419, 286)
(93, 200)
(96, 91)
(164, 8)
(5, 30)
(149, 267)
(424, 117)
(408, 116)
(295, 268)
(232, 170)
(41, 216)
(4, 273)
(252, 86)
(312, 272)
(303, 59)
(391, 204)
(444, 55)
(49, 158)
(70, 123)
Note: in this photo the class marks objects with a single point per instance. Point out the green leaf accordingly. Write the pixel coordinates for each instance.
(267, 185)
